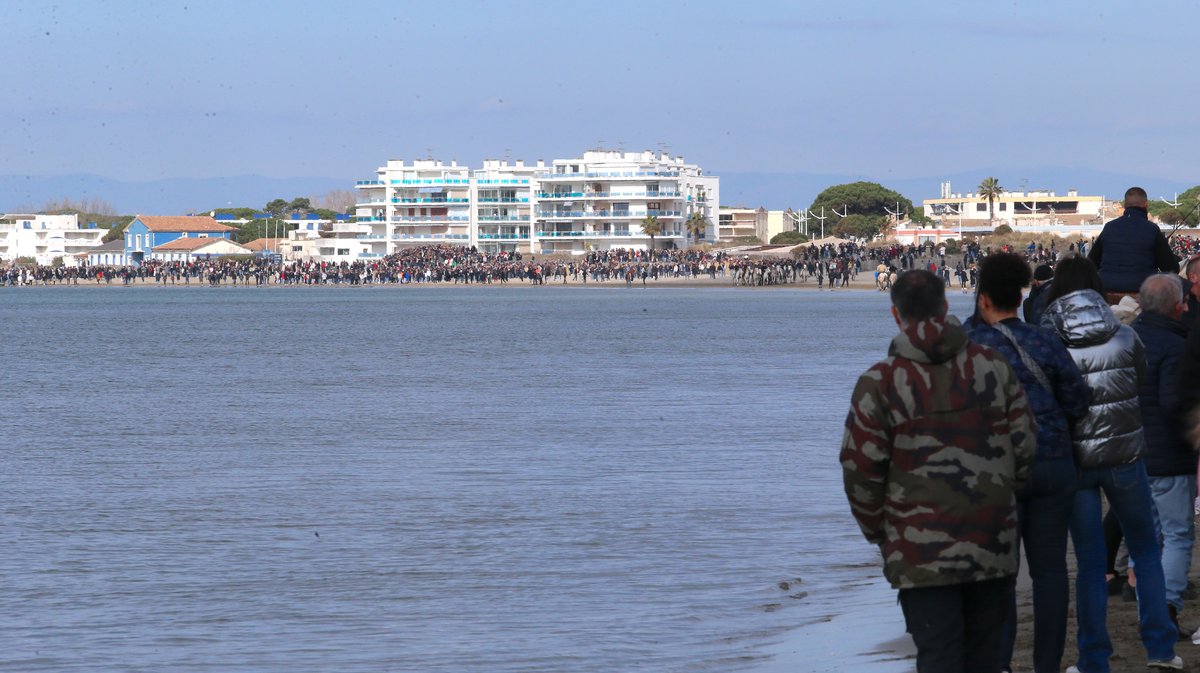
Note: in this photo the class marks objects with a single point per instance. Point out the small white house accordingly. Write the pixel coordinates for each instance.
(193, 249)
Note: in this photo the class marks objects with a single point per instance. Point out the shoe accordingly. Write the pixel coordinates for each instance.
(1196, 637)
(1115, 584)
(1174, 664)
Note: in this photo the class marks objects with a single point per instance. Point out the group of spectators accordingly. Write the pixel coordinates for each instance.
(971, 439)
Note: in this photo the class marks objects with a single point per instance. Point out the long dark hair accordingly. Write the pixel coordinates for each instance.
(1072, 274)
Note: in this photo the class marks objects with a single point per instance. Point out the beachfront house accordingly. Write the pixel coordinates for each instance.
(111, 253)
(147, 232)
(45, 238)
(193, 249)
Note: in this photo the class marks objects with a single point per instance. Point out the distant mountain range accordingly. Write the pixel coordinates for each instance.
(173, 196)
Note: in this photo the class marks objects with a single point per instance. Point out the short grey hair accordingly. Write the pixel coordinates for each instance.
(1160, 293)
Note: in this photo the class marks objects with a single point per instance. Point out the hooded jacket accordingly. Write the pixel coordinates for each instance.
(1113, 362)
(938, 440)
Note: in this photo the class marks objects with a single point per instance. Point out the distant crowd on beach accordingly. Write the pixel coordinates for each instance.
(827, 266)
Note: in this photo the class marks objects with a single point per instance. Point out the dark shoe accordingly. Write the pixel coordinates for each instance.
(1180, 634)
(1128, 593)
(1115, 584)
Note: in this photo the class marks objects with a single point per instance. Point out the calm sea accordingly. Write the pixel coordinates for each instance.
(426, 479)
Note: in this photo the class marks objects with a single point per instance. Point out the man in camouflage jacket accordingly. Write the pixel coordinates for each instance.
(938, 440)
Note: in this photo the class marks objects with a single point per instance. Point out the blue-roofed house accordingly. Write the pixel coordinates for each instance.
(147, 232)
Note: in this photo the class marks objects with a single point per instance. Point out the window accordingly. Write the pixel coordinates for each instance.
(981, 207)
(1003, 207)
(202, 235)
(137, 241)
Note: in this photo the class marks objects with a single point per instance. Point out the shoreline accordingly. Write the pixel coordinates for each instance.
(864, 282)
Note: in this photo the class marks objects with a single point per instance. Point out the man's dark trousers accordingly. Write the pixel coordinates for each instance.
(957, 628)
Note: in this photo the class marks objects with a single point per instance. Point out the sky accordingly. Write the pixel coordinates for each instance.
(168, 89)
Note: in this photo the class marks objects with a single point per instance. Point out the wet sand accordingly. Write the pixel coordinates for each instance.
(872, 639)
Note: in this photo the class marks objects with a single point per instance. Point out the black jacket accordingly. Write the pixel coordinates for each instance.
(1129, 249)
(1167, 451)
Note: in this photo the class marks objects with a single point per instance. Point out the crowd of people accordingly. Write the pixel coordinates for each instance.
(971, 440)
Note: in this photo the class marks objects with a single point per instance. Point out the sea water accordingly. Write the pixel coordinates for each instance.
(427, 479)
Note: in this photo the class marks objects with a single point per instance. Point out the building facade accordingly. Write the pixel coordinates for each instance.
(44, 238)
(595, 202)
(1016, 209)
(146, 232)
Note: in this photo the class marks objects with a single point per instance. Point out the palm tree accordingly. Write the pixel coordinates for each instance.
(651, 227)
(697, 224)
(991, 190)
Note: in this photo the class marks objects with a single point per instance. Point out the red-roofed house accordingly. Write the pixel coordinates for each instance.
(147, 232)
(191, 249)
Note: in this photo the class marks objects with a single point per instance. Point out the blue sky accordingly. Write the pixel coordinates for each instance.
(146, 90)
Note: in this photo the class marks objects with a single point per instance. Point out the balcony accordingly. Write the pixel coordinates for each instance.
(504, 181)
(605, 214)
(433, 200)
(503, 218)
(432, 237)
(504, 237)
(616, 175)
(429, 218)
(430, 182)
(366, 184)
(502, 199)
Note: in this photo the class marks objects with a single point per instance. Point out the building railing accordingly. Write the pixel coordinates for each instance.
(607, 214)
(502, 218)
(430, 218)
(426, 237)
(506, 237)
(504, 181)
(504, 199)
(619, 174)
(369, 183)
(434, 181)
(608, 195)
(445, 200)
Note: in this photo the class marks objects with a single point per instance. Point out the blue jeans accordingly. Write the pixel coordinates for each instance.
(1175, 528)
(1043, 515)
(1128, 491)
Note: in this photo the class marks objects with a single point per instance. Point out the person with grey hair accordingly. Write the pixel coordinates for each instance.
(1170, 460)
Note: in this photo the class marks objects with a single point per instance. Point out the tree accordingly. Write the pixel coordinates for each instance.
(300, 205)
(1003, 230)
(651, 227)
(697, 224)
(859, 226)
(991, 190)
(276, 207)
(869, 199)
(788, 238)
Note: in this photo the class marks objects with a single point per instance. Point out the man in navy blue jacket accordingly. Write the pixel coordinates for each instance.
(1170, 461)
(1131, 247)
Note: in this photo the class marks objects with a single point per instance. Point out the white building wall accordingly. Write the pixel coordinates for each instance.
(45, 237)
(513, 206)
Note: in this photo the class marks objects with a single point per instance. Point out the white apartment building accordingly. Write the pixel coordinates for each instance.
(45, 237)
(598, 202)
(595, 202)
(1023, 209)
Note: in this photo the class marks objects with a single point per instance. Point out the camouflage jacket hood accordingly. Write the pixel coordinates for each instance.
(931, 341)
(938, 440)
